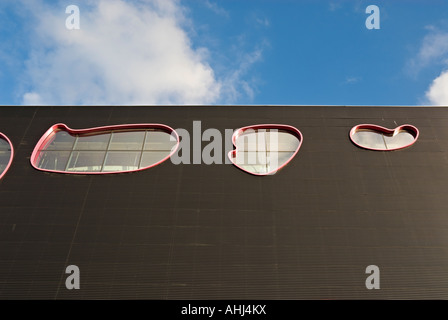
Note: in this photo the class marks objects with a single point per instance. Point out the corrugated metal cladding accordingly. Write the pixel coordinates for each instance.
(215, 232)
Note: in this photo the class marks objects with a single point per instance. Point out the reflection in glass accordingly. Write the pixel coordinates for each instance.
(127, 140)
(121, 161)
(372, 139)
(61, 140)
(109, 151)
(53, 160)
(86, 161)
(261, 151)
(399, 139)
(5, 154)
(92, 142)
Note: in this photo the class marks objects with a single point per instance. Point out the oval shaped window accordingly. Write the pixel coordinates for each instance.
(373, 137)
(6, 154)
(111, 149)
(264, 149)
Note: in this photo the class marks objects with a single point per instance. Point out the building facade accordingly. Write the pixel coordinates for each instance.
(162, 229)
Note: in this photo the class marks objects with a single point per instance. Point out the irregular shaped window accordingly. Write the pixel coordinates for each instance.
(111, 149)
(373, 137)
(6, 154)
(264, 149)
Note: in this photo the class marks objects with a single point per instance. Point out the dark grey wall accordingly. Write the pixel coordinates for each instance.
(215, 232)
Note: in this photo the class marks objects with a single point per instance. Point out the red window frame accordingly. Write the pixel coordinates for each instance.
(406, 127)
(45, 139)
(240, 131)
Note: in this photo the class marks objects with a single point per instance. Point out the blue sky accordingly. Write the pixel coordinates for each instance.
(224, 52)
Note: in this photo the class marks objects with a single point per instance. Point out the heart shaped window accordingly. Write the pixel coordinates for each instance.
(373, 137)
(6, 154)
(111, 149)
(264, 149)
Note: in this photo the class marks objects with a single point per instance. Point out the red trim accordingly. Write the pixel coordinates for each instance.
(406, 127)
(238, 132)
(2, 136)
(46, 138)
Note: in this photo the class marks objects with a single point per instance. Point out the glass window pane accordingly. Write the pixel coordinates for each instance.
(399, 140)
(86, 161)
(4, 145)
(252, 162)
(251, 159)
(53, 160)
(262, 151)
(121, 161)
(288, 142)
(116, 149)
(251, 140)
(278, 159)
(151, 157)
(60, 140)
(281, 140)
(5, 154)
(369, 139)
(255, 168)
(159, 140)
(258, 162)
(127, 140)
(4, 160)
(267, 139)
(93, 142)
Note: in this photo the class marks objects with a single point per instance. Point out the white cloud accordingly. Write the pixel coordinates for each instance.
(352, 80)
(438, 91)
(435, 46)
(433, 53)
(234, 81)
(433, 50)
(124, 53)
(263, 21)
(32, 98)
(333, 6)
(216, 9)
